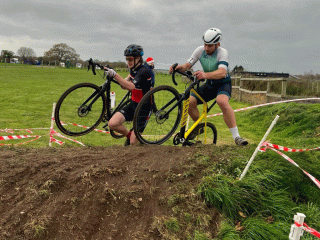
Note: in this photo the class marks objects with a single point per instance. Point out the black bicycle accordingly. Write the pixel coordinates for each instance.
(82, 107)
(169, 108)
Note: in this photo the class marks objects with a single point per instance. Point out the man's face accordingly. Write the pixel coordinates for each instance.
(211, 48)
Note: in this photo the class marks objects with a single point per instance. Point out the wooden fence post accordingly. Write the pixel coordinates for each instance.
(284, 87)
(268, 87)
(240, 87)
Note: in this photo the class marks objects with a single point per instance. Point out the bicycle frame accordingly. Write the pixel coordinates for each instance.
(170, 110)
(184, 99)
(183, 123)
(183, 134)
(105, 88)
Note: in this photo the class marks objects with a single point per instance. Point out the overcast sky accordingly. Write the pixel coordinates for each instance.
(260, 35)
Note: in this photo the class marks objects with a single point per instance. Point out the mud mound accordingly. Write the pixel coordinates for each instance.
(98, 193)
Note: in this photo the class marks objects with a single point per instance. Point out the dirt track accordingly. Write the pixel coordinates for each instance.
(96, 193)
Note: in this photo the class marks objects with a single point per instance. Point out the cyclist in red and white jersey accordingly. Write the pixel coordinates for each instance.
(214, 61)
(139, 83)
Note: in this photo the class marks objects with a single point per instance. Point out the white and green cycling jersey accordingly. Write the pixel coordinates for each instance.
(212, 62)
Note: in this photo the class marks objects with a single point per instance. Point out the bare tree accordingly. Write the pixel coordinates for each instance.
(26, 53)
(62, 52)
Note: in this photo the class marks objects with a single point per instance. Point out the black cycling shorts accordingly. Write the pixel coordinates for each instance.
(211, 89)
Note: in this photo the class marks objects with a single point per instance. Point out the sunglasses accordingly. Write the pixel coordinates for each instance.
(129, 59)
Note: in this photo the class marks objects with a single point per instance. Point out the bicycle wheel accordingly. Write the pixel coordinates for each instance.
(128, 125)
(72, 115)
(151, 123)
(199, 135)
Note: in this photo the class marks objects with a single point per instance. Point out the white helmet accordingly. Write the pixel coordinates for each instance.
(212, 36)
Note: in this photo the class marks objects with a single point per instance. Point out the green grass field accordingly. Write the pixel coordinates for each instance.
(272, 192)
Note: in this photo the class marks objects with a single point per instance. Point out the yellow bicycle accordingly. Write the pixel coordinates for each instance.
(167, 109)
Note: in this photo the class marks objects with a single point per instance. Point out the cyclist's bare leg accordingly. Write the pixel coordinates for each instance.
(133, 139)
(228, 113)
(193, 110)
(116, 124)
(230, 119)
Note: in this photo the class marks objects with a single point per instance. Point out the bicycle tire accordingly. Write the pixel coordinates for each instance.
(71, 118)
(157, 130)
(201, 137)
(126, 124)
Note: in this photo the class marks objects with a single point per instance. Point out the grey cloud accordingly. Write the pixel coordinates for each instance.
(272, 35)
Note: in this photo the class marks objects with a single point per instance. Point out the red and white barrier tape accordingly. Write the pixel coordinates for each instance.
(52, 139)
(286, 149)
(266, 104)
(15, 137)
(97, 130)
(308, 229)
(24, 129)
(53, 132)
(270, 146)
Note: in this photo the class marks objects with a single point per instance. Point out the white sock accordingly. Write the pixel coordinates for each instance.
(234, 131)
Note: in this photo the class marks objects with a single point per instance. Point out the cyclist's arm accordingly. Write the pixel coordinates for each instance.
(185, 67)
(128, 85)
(218, 74)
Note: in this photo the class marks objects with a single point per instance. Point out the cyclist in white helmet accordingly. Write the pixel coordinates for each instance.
(214, 61)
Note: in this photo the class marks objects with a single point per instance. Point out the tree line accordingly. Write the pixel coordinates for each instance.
(58, 53)
(63, 53)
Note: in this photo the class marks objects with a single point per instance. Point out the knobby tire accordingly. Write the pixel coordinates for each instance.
(73, 120)
(148, 125)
